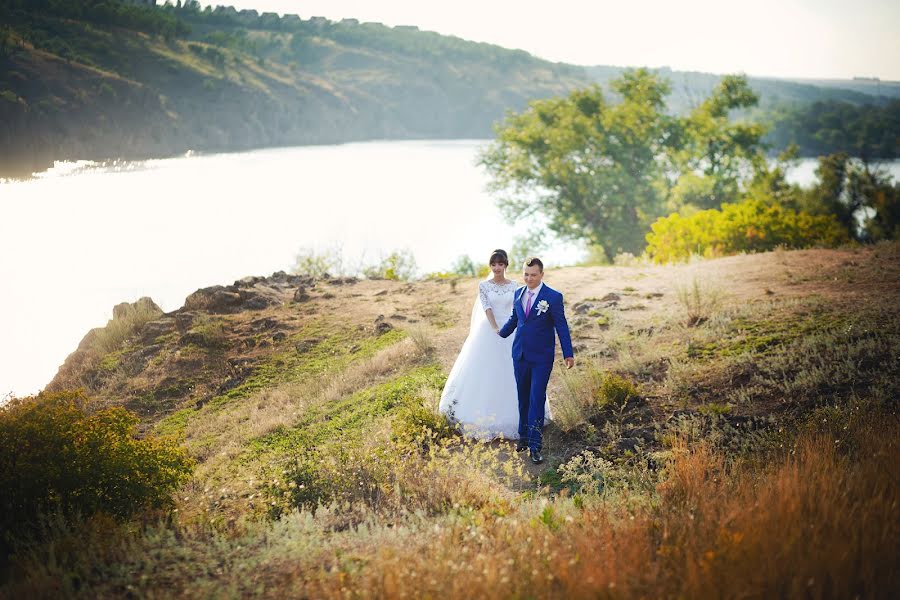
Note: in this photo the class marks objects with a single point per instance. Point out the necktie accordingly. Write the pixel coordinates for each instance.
(528, 305)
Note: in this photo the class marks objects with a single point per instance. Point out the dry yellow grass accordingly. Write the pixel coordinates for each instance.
(805, 507)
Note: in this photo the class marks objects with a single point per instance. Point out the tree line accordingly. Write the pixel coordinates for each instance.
(629, 177)
(869, 131)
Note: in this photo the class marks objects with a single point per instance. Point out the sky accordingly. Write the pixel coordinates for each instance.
(830, 39)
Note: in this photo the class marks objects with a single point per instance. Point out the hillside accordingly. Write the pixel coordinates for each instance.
(86, 83)
(738, 413)
(77, 89)
(256, 352)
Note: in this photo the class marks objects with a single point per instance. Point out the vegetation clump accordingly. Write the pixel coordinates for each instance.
(57, 456)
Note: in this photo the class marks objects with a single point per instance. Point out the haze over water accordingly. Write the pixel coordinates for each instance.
(79, 239)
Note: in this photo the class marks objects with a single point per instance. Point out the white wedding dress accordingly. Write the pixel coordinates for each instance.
(480, 394)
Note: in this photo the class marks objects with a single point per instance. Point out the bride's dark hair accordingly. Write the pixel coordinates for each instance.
(499, 256)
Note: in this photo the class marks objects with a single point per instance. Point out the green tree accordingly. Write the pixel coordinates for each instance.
(715, 154)
(601, 172)
(882, 201)
(863, 199)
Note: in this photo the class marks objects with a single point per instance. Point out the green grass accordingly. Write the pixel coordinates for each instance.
(337, 451)
(755, 335)
(347, 419)
(333, 352)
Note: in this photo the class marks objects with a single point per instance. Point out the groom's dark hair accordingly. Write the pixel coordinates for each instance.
(534, 260)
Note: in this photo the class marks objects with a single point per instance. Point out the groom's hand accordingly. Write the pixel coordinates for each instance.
(570, 362)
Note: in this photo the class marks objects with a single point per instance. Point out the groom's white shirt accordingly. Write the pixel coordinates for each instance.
(537, 291)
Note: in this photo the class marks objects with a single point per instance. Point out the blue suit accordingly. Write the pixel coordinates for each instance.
(533, 350)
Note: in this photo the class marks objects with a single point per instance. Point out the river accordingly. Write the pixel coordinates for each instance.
(82, 237)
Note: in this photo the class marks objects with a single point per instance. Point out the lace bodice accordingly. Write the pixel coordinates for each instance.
(497, 296)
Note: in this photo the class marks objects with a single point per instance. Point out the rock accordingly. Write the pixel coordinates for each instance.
(223, 301)
(263, 324)
(610, 297)
(381, 293)
(644, 435)
(240, 364)
(201, 299)
(629, 445)
(184, 320)
(279, 336)
(255, 300)
(343, 280)
(300, 294)
(125, 309)
(229, 384)
(382, 326)
(247, 282)
(132, 364)
(258, 303)
(305, 345)
(153, 329)
(582, 307)
(227, 299)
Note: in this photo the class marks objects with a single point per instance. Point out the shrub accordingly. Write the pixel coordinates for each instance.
(699, 299)
(417, 425)
(464, 266)
(749, 226)
(57, 457)
(398, 265)
(127, 320)
(318, 264)
(587, 390)
(614, 389)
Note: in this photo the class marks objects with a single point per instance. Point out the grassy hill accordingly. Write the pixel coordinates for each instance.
(72, 88)
(81, 81)
(730, 429)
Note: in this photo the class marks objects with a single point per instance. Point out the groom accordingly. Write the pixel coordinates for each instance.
(537, 311)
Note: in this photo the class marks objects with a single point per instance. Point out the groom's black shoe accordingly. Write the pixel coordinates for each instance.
(536, 457)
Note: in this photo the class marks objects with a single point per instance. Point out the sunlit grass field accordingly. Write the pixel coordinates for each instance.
(730, 430)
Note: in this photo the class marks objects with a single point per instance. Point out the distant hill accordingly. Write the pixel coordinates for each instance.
(690, 87)
(88, 79)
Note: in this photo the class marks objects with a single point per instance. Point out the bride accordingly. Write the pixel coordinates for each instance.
(480, 394)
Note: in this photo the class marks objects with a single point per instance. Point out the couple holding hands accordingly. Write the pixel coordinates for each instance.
(497, 387)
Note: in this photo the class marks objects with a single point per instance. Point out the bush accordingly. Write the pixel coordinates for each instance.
(57, 457)
(614, 389)
(398, 265)
(127, 320)
(587, 390)
(700, 300)
(329, 261)
(749, 226)
(417, 425)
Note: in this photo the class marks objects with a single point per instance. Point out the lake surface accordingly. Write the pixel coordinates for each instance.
(83, 237)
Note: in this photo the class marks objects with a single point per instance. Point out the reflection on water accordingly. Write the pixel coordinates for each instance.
(84, 236)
